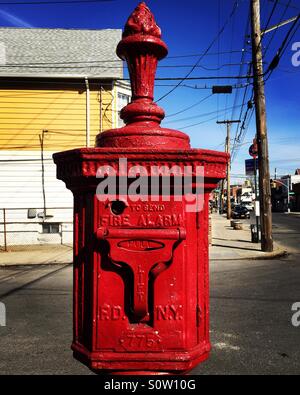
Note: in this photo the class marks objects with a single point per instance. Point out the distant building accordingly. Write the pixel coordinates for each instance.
(235, 191)
(284, 190)
(296, 190)
(59, 89)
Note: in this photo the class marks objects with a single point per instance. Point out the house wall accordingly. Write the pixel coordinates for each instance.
(24, 114)
(21, 189)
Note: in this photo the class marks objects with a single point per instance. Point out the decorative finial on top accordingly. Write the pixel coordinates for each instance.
(142, 47)
(141, 21)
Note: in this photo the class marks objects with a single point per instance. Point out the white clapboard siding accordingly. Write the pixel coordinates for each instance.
(21, 189)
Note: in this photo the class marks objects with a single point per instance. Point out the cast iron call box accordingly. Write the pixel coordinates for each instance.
(141, 289)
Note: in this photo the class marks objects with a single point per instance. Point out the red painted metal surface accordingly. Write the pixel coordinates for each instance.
(142, 47)
(141, 285)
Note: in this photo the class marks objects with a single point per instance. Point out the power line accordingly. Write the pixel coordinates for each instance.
(198, 116)
(190, 107)
(242, 77)
(244, 134)
(219, 46)
(39, 2)
(271, 14)
(237, 136)
(200, 123)
(275, 31)
(119, 60)
(284, 45)
(230, 55)
(58, 92)
(268, 22)
(237, 86)
(272, 66)
(236, 4)
(205, 54)
(237, 94)
(287, 40)
(123, 79)
(92, 64)
(284, 4)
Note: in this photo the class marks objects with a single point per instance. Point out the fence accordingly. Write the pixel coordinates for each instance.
(27, 226)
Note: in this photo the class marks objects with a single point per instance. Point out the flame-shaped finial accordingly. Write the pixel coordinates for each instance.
(142, 47)
(141, 21)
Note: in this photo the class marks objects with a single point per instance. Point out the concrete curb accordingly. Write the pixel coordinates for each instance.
(33, 265)
(278, 253)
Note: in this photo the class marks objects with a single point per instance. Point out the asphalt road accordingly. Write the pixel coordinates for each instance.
(38, 334)
(286, 230)
(251, 329)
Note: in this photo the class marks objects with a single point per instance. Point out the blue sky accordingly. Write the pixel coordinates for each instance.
(188, 29)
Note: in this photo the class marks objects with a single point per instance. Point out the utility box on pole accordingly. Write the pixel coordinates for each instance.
(141, 294)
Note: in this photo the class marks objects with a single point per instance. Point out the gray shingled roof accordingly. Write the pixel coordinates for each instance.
(59, 52)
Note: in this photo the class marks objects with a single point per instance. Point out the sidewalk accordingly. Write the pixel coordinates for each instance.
(296, 213)
(37, 255)
(227, 244)
(230, 244)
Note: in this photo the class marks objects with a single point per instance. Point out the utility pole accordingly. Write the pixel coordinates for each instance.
(261, 130)
(227, 149)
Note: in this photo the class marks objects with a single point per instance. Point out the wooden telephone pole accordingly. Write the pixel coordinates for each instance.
(261, 130)
(227, 149)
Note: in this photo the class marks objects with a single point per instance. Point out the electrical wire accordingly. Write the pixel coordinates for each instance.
(204, 87)
(284, 45)
(204, 54)
(39, 2)
(274, 63)
(230, 56)
(33, 65)
(119, 60)
(241, 129)
(218, 43)
(236, 4)
(236, 86)
(190, 107)
(284, 4)
(243, 55)
(237, 135)
(199, 123)
(267, 24)
(275, 31)
(198, 116)
(244, 133)
(78, 83)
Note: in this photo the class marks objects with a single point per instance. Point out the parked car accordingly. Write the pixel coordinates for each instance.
(249, 206)
(240, 212)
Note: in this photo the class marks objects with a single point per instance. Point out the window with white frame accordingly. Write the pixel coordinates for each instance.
(123, 100)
